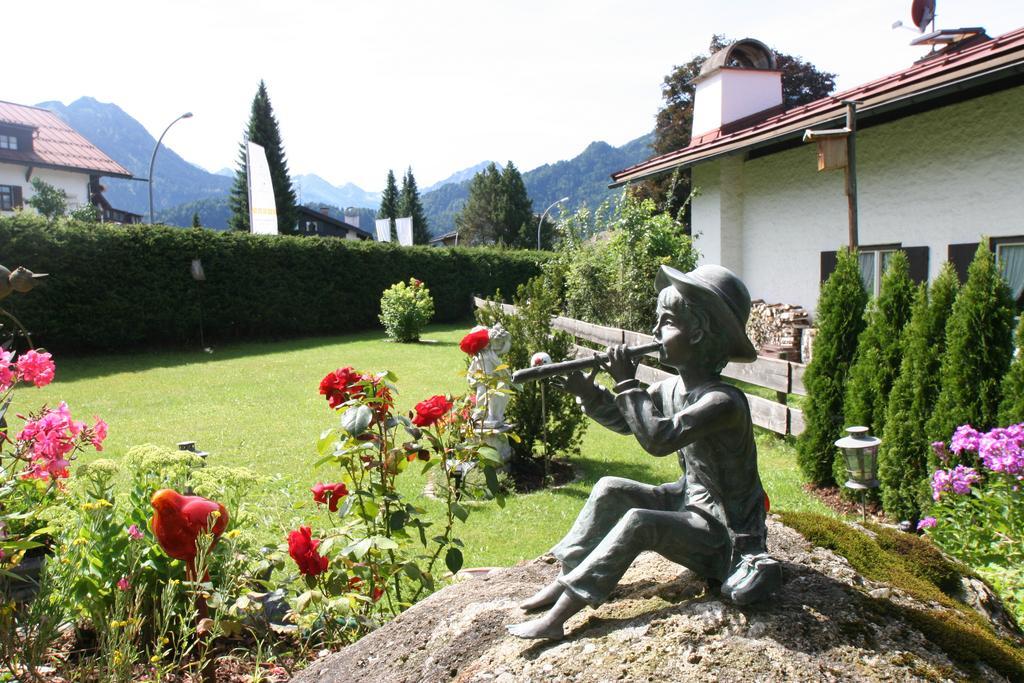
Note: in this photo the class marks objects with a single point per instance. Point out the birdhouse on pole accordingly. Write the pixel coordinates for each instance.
(832, 146)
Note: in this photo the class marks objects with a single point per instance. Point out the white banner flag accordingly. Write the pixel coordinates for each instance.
(403, 226)
(383, 226)
(262, 207)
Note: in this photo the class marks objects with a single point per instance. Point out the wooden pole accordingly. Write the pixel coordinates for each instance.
(851, 169)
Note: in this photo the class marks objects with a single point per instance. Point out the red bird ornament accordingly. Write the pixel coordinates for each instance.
(179, 520)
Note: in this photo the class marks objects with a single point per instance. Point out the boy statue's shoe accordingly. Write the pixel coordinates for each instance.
(755, 578)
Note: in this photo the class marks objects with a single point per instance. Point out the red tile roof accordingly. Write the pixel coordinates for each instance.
(929, 78)
(55, 144)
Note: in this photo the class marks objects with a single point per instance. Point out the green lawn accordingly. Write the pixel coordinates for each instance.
(256, 405)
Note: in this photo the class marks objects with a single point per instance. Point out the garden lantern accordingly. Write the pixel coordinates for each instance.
(860, 452)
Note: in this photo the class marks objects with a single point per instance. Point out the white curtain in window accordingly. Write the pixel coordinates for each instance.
(1011, 257)
(866, 260)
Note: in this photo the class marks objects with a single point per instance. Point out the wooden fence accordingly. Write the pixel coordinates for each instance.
(782, 377)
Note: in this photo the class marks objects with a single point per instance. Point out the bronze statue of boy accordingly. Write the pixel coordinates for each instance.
(712, 520)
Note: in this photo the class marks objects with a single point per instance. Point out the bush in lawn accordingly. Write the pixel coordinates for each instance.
(610, 280)
(530, 328)
(978, 515)
(1011, 410)
(903, 455)
(405, 310)
(375, 552)
(120, 287)
(879, 352)
(840, 319)
(979, 344)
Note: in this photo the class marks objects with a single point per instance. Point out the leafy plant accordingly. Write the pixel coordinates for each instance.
(1011, 410)
(550, 420)
(405, 310)
(840, 319)
(51, 202)
(609, 278)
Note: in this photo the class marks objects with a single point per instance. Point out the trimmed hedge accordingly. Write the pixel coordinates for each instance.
(116, 287)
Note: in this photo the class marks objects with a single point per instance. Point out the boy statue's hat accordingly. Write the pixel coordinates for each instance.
(727, 299)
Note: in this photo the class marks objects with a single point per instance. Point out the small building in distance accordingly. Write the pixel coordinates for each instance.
(449, 239)
(319, 223)
(36, 143)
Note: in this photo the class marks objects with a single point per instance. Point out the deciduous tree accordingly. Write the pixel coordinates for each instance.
(263, 130)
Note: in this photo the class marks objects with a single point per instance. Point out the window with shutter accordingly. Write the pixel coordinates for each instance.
(7, 198)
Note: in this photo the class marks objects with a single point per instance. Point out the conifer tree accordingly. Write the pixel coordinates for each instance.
(409, 204)
(480, 221)
(389, 203)
(877, 362)
(979, 344)
(1011, 410)
(517, 210)
(263, 130)
(840, 319)
(196, 223)
(904, 454)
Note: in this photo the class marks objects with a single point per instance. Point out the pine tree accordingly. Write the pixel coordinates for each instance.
(840, 319)
(196, 223)
(389, 203)
(263, 130)
(409, 204)
(979, 345)
(517, 210)
(480, 221)
(1011, 410)
(877, 362)
(904, 454)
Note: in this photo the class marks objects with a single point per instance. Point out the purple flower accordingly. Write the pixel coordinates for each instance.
(1002, 449)
(134, 533)
(958, 480)
(965, 438)
(940, 450)
(926, 523)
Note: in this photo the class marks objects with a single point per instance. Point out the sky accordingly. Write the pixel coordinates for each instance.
(360, 87)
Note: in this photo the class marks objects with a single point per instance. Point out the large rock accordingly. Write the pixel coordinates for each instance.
(827, 623)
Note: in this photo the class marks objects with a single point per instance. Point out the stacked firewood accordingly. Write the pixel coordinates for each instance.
(777, 329)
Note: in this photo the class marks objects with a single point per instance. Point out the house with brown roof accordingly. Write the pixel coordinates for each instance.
(36, 143)
(939, 165)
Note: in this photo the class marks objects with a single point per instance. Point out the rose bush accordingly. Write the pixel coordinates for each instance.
(371, 555)
(475, 342)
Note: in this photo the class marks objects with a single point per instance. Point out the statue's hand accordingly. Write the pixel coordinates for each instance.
(620, 366)
(579, 384)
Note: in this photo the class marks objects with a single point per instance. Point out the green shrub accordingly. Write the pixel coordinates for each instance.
(979, 344)
(840, 319)
(530, 330)
(405, 310)
(117, 287)
(609, 279)
(1011, 410)
(903, 455)
(877, 361)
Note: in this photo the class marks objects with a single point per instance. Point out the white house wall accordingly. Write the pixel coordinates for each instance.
(942, 177)
(75, 185)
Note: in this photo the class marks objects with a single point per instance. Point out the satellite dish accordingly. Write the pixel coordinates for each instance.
(922, 12)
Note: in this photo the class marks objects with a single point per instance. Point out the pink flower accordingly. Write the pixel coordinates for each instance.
(35, 367)
(1002, 449)
(99, 434)
(123, 584)
(134, 533)
(50, 437)
(940, 451)
(7, 376)
(965, 438)
(958, 480)
(926, 523)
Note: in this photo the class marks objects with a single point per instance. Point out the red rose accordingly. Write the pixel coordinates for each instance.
(329, 494)
(475, 342)
(430, 411)
(302, 548)
(336, 386)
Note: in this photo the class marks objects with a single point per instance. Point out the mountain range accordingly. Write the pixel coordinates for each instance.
(182, 188)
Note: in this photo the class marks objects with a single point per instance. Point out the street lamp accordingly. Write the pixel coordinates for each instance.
(542, 216)
(152, 160)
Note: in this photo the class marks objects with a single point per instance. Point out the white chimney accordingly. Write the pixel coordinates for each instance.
(733, 84)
